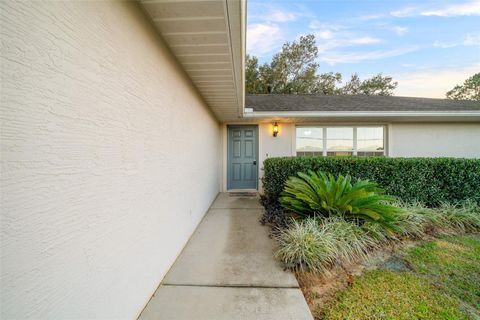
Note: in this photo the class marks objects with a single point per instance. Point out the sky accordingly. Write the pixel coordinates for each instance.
(427, 46)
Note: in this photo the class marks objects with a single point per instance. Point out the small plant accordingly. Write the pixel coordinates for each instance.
(416, 220)
(315, 194)
(462, 217)
(317, 245)
(273, 214)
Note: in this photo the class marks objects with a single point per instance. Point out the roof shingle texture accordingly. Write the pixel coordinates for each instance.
(294, 102)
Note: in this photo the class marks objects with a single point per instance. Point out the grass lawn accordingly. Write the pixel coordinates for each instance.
(442, 282)
(452, 264)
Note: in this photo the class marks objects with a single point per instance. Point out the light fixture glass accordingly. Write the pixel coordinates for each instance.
(275, 129)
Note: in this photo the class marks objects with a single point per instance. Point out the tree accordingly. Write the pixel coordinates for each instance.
(378, 85)
(353, 86)
(252, 74)
(294, 71)
(327, 84)
(470, 90)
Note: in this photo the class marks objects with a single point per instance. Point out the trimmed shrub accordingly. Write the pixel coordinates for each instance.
(428, 180)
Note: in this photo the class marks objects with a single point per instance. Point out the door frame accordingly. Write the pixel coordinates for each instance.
(227, 151)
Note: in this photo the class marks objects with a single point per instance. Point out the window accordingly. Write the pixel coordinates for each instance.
(309, 141)
(340, 141)
(370, 141)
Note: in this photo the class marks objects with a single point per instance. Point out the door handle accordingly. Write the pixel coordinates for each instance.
(254, 162)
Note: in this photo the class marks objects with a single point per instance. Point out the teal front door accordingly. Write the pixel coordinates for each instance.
(242, 157)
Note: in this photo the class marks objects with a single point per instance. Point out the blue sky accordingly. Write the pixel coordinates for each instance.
(427, 46)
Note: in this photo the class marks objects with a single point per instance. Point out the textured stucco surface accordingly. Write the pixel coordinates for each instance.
(461, 140)
(109, 159)
(283, 145)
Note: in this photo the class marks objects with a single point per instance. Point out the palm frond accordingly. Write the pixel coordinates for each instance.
(318, 193)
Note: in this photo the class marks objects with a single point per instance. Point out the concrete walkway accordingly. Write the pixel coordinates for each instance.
(227, 271)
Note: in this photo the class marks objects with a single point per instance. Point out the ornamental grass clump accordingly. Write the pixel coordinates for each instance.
(462, 217)
(413, 220)
(417, 220)
(316, 244)
(319, 194)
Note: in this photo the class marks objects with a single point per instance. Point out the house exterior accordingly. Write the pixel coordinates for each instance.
(121, 122)
(365, 126)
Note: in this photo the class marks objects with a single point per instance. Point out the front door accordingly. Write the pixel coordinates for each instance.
(242, 157)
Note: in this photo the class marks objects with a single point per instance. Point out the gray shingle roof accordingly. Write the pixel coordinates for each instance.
(293, 102)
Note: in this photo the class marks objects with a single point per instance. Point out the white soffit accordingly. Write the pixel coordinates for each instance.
(208, 39)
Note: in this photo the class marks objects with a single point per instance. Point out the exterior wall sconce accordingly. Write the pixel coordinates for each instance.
(275, 129)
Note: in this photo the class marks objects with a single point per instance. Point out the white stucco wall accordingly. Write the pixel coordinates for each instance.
(434, 140)
(109, 159)
(269, 146)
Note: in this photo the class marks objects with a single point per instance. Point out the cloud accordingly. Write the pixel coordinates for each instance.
(472, 40)
(400, 31)
(471, 8)
(267, 32)
(363, 40)
(353, 57)
(266, 12)
(371, 17)
(405, 12)
(280, 16)
(324, 35)
(444, 45)
(465, 9)
(264, 38)
(317, 25)
(469, 40)
(329, 39)
(433, 83)
(328, 42)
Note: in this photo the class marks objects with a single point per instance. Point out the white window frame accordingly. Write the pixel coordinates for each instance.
(355, 150)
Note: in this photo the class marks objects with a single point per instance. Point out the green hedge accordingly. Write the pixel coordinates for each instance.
(429, 180)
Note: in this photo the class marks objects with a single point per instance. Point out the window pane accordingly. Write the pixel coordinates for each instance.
(309, 154)
(339, 153)
(370, 154)
(370, 139)
(309, 141)
(339, 139)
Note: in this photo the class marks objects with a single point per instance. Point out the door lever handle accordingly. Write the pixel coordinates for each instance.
(254, 162)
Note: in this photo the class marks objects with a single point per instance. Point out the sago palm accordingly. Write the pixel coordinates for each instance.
(317, 193)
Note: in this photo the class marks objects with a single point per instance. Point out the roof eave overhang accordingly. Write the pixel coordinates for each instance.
(391, 116)
(207, 37)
